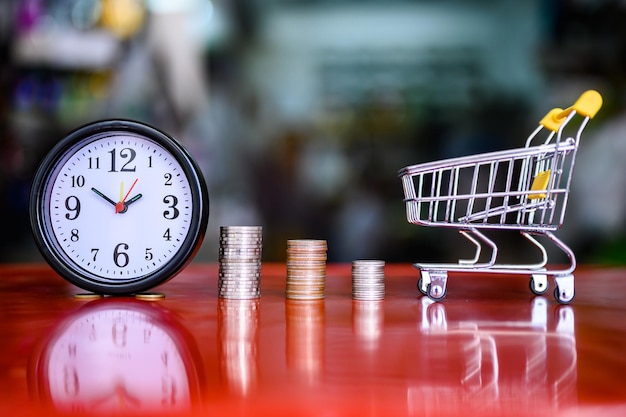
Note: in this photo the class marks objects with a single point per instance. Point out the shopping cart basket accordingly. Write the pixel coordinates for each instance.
(524, 189)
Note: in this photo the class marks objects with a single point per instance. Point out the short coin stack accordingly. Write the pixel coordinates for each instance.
(368, 280)
(306, 269)
(240, 262)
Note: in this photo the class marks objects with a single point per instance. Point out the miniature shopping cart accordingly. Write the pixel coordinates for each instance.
(524, 189)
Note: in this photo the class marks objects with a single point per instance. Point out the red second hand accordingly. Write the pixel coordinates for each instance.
(119, 207)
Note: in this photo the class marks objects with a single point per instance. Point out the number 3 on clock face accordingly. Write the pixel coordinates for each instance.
(118, 207)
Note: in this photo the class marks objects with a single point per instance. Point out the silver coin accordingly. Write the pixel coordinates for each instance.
(244, 280)
(227, 251)
(368, 274)
(372, 293)
(238, 287)
(233, 262)
(240, 296)
(238, 284)
(240, 274)
(243, 271)
(245, 247)
(357, 294)
(240, 277)
(239, 280)
(367, 278)
(241, 230)
(367, 287)
(376, 298)
(368, 263)
(241, 240)
(232, 289)
(241, 264)
(376, 288)
(249, 240)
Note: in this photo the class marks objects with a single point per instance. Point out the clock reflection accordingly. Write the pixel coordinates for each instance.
(116, 355)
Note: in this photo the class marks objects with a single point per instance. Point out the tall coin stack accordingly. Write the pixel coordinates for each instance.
(306, 269)
(368, 280)
(240, 262)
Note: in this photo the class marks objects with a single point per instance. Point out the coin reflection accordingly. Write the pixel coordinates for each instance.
(305, 342)
(367, 322)
(238, 340)
(115, 355)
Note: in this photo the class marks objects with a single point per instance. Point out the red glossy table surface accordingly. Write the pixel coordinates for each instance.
(490, 348)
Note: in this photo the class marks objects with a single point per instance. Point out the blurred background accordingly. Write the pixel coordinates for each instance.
(301, 112)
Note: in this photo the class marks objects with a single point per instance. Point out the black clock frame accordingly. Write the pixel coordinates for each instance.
(56, 257)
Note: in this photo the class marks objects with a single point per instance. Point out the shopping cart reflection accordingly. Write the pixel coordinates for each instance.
(509, 365)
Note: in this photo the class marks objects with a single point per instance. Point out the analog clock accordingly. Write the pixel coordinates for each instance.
(117, 355)
(118, 207)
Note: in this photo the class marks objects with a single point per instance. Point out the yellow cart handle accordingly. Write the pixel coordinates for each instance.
(551, 120)
(587, 105)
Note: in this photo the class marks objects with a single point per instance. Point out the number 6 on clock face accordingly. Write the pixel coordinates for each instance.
(118, 207)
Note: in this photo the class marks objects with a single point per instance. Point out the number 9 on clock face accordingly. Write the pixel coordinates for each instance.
(118, 207)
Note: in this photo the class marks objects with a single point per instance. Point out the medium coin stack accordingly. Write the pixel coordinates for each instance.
(306, 269)
(368, 280)
(240, 262)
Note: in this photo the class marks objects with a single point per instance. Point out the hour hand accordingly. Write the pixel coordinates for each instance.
(125, 204)
(132, 200)
(103, 196)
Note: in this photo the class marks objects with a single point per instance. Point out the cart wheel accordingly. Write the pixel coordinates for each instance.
(563, 297)
(420, 286)
(539, 284)
(436, 292)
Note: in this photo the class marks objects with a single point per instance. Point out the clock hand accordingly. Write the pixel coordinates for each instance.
(127, 203)
(132, 200)
(121, 207)
(103, 196)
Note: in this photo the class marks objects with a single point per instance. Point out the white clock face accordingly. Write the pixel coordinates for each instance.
(120, 207)
(116, 359)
